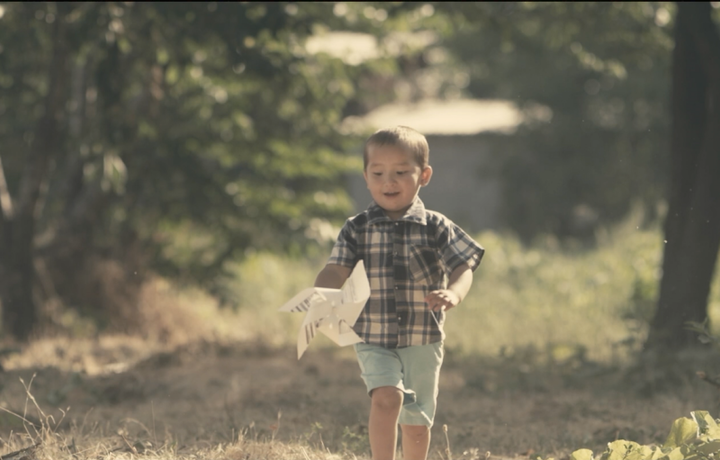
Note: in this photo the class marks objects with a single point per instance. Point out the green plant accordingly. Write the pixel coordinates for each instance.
(355, 440)
(696, 438)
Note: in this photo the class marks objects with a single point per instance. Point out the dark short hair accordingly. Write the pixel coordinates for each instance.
(404, 137)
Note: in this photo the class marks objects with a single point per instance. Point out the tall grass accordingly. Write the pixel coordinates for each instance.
(559, 298)
(544, 296)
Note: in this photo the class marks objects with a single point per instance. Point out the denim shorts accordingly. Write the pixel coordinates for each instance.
(413, 370)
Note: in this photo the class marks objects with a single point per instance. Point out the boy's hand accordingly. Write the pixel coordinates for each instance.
(458, 286)
(442, 299)
(332, 276)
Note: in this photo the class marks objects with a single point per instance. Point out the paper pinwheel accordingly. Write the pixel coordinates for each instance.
(331, 311)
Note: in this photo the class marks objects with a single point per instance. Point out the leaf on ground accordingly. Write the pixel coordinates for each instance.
(582, 454)
(710, 447)
(639, 452)
(683, 431)
(707, 426)
(622, 449)
(677, 453)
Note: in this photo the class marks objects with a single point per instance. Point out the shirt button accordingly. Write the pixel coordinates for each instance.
(399, 318)
(397, 287)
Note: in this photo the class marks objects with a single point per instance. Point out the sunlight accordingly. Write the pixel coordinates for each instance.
(353, 48)
(463, 116)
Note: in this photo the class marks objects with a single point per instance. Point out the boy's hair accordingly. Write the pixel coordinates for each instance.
(402, 136)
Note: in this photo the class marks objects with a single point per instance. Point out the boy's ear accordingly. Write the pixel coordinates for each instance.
(425, 175)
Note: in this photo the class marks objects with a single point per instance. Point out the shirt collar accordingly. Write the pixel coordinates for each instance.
(415, 213)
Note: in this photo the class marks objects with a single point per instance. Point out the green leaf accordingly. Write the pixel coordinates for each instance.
(582, 454)
(622, 449)
(657, 453)
(639, 452)
(710, 447)
(707, 426)
(683, 431)
(617, 450)
(677, 453)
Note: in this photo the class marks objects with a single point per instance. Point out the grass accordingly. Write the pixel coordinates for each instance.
(547, 297)
(39, 437)
(529, 308)
(573, 299)
(542, 297)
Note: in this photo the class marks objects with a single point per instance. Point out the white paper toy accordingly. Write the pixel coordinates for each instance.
(331, 311)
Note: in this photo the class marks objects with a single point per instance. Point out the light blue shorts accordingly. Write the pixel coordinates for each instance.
(413, 370)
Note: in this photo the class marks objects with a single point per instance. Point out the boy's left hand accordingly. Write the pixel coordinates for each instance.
(442, 299)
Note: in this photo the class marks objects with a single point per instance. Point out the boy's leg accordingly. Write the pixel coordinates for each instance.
(421, 373)
(382, 427)
(382, 371)
(415, 441)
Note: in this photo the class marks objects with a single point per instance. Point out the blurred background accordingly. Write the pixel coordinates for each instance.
(163, 165)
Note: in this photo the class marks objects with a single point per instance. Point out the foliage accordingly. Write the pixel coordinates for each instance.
(191, 132)
(693, 438)
(592, 80)
(602, 70)
(513, 302)
(546, 294)
(194, 133)
(545, 299)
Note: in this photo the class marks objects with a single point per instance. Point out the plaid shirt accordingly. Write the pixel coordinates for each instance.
(404, 259)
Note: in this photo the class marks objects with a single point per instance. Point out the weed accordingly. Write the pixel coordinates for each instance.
(355, 440)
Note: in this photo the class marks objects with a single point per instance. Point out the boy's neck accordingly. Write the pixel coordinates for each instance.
(397, 215)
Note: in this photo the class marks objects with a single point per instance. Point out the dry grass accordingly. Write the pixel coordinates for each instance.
(122, 372)
(215, 400)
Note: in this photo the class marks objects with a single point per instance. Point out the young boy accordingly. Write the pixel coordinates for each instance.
(419, 264)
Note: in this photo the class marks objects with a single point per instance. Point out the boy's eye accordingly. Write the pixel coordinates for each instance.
(400, 173)
(378, 174)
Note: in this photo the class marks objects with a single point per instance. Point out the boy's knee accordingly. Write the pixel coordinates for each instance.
(387, 398)
(415, 432)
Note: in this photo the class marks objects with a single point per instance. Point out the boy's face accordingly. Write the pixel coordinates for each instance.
(394, 178)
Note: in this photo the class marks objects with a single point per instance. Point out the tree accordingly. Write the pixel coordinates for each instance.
(17, 222)
(692, 224)
(605, 70)
(602, 71)
(166, 137)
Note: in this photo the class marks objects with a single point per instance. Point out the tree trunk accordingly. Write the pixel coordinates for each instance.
(692, 226)
(6, 215)
(19, 312)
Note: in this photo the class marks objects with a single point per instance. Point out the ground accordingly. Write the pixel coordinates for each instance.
(209, 392)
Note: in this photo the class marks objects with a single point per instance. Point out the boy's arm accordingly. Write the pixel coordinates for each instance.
(332, 276)
(459, 284)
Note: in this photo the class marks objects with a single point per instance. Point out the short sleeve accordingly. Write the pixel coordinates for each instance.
(456, 247)
(345, 250)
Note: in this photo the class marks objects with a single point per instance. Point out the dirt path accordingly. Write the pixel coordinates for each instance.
(207, 393)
